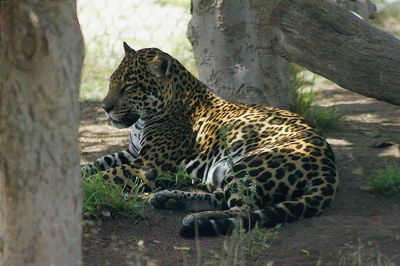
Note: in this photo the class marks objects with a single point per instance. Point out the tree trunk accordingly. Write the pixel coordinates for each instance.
(41, 56)
(365, 8)
(331, 41)
(230, 41)
(238, 45)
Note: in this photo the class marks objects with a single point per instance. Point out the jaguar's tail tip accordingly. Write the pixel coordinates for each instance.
(187, 231)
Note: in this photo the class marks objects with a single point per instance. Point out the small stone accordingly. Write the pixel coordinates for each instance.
(366, 188)
(105, 213)
(86, 215)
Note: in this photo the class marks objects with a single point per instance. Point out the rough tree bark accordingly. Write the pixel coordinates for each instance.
(232, 41)
(41, 57)
(229, 40)
(333, 42)
(364, 8)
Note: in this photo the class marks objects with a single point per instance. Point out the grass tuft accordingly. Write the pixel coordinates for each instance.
(100, 195)
(178, 180)
(386, 181)
(245, 248)
(364, 254)
(304, 103)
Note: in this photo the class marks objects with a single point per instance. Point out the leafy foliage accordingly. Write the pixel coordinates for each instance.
(245, 248)
(100, 194)
(386, 181)
(364, 254)
(181, 179)
(304, 103)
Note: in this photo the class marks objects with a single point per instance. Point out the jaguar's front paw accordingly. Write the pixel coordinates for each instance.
(166, 200)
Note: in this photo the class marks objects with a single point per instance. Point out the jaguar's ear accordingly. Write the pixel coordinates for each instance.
(160, 65)
(128, 49)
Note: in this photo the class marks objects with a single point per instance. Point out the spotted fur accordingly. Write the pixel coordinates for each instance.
(240, 152)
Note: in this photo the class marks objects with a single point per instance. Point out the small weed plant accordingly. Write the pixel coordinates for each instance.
(223, 136)
(364, 254)
(386, 181)
(100, 195)
(245, 248)
(304, 103)
(178, 180)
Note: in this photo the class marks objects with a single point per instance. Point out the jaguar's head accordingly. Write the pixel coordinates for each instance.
(139, 87)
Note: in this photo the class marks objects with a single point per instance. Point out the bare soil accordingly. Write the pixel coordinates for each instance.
(356, 216)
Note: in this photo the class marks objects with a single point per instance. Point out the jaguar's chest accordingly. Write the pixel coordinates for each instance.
(136, 138)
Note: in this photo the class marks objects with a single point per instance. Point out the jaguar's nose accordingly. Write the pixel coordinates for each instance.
(107, 108)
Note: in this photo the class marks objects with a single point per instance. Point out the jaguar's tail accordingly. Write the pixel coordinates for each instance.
(213, 223)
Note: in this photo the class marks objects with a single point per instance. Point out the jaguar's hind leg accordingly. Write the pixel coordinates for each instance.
(177, 199)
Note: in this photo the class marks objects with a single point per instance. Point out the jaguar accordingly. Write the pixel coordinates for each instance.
(252, 165)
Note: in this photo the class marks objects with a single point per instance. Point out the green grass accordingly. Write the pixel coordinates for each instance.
(100, 195)
(176, 3)
(318, 116)
(305, 102)
(389, 19)
(98, 66)
(386, 181)
(364, 254)
(243, 248)
(178, 180)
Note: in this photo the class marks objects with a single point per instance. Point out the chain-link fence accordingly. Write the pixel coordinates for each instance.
(141, 23)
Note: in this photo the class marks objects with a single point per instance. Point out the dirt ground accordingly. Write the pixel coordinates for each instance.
(356, 216)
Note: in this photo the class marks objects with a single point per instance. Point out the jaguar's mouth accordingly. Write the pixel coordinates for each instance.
(124, 121)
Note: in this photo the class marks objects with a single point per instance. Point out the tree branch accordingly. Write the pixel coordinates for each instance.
(337, 44)
(365, 8)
